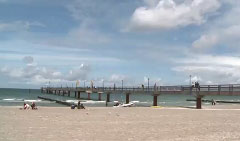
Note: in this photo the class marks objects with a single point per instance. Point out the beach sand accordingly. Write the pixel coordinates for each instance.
(134, 123)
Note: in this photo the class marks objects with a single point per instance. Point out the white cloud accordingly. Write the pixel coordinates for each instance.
(210, 69)
(117, 78)
(229, 36)
(168, 14)
(223, 31)
(28, 59)
(79, 73)
(152, 81)
(82, 36)
(18, 26)
(39, 75)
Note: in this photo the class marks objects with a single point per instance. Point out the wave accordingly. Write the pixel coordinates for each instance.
(32, 100)
(92, 102)
(8, 99)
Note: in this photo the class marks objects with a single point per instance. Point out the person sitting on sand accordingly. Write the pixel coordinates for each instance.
(81, 106)
(26, 106)
(33, 106)
(73, 106)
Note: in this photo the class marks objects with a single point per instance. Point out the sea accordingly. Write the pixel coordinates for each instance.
(17, 97)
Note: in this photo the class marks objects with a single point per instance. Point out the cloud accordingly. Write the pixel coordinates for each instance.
(82, 36)
(117, 78)
(28, 59)
(17, 26)
(223, 31)
(152, 81)
(39, 75)
(209, 69)
(79, 73)
(229, 36)
(168, 14)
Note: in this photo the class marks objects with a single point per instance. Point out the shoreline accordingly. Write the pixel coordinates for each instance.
(205, 107)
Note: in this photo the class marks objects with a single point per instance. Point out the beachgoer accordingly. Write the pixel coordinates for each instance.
(73, 106)
(81, 106)
(78, 105)
(33, 106)
(213, 102)
(26, 106)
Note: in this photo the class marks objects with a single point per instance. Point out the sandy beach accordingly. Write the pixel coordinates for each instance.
(134, 123)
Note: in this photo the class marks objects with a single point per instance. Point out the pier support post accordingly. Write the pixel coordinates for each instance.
(59, 92)
(79, 94)
(155, 99)
(127, 98)
(89, 96)
(108, 97)
(69, 93)
(75, 94)
(219, 89)
(99, 96)
(199, 103)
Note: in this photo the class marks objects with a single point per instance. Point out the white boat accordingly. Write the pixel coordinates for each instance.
(125, 105)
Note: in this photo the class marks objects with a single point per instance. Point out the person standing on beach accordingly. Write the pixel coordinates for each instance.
(78, 105)
(213, 102)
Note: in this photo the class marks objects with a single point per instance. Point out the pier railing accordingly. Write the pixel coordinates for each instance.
(227, 89)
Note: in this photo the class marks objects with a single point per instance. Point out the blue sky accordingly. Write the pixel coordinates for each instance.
(131, 40)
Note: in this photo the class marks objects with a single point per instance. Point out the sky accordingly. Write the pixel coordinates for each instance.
(60, 42)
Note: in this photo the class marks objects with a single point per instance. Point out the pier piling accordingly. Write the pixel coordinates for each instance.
(127, 98)
(99, 96)
(69, 93)
(108, 97)
(79, 93)
(199, 103)
(89, 96)
(155, 99)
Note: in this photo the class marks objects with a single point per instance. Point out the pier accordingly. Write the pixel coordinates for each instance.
(155, 91)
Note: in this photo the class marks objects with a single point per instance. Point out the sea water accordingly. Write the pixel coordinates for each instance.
(16, 97)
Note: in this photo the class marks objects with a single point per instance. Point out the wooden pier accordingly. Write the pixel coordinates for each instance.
(155, 91)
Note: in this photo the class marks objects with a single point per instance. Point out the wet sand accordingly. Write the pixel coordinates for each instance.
(134, 123)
